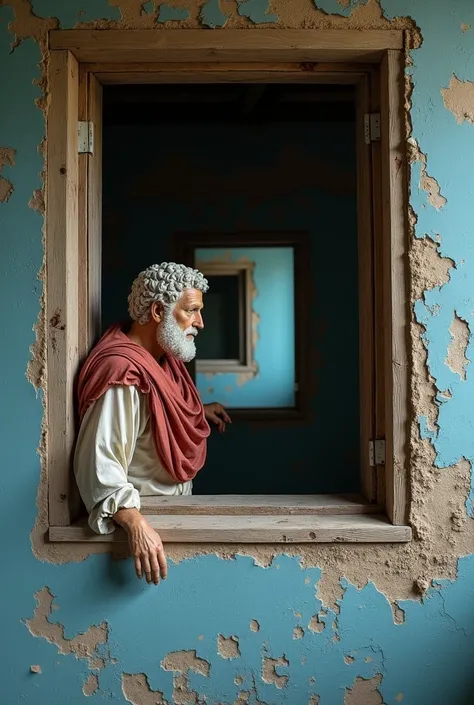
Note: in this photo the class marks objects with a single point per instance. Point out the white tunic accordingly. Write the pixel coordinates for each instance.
(115, 461)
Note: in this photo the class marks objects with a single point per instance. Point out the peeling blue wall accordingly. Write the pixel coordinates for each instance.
(429, 657)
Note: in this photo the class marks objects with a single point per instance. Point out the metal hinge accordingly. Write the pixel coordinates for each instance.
(85, 137)
(377, 452)
(372, 127)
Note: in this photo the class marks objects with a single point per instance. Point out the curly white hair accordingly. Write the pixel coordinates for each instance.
(165, 283)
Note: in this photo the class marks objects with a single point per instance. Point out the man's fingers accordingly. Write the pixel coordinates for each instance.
(138, 567)
(155, 569)
(163, 564)
(146, 566)
(226, 416)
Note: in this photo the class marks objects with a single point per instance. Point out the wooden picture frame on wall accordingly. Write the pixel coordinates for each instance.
(184, 248)
(243, 272)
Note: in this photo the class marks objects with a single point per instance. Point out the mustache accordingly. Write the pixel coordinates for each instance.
(191, 331)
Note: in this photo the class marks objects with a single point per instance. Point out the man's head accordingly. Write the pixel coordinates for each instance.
(168, 297)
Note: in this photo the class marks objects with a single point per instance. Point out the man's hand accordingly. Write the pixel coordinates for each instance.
(216, 413)
(145, 545)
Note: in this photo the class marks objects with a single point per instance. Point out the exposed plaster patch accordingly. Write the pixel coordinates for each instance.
(91, 685)
(429, 269)
(228, 647)
(427, 183)
(7, 158)
(136, 690)
(349, 659)
(254, 626)
(458, 97)
(269, 672)
(135, 14)
(465, 27)
(26, 24)
(398, 614)
(83, 646)
(35, 669)
(456, 358)
(181, 662)
(369, 15)
(298, 633)
(364, 692)
(315, 624)
(314, 700)
(36, 202)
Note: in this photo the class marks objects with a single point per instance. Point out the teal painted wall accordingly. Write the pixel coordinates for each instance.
(227, 178)
(421, 653)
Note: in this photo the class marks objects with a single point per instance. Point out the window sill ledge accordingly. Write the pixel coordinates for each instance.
(276, 529)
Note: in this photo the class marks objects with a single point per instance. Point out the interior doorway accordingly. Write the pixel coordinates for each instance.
(184, 160)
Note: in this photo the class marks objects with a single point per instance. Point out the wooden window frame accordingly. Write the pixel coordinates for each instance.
(81, 61)
(244, 272)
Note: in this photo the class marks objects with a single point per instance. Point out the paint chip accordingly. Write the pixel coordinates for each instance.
(228, 647)
(254, 626)
(136, 690)
(7, 158)
(83, 646)
(36, 669)
(181, 662)
(298, 633)
(349, 659)
(427, 183)
(314, 700)
(364, 692)
(91, 685)
(428, 268)
(458, 97)
(465, 27)
(456, 358)
(269, 672)
(315, 624)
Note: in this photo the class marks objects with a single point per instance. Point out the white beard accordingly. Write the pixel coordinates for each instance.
(173, 340)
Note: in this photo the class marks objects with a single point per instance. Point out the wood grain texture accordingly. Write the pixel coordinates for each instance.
(62, 258)
(303, 45)
(394, 214)
(324, 504)
(254, 529)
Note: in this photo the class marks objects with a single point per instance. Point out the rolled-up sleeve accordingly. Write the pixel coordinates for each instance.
(104, 449)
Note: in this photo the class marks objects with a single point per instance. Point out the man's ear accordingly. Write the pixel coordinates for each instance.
(156, 311)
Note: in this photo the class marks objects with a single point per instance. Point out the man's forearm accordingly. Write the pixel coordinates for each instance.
(128, 518)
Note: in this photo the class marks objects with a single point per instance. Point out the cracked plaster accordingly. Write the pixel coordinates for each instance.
(398, 571)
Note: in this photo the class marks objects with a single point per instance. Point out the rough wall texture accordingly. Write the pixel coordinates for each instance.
(336, 624)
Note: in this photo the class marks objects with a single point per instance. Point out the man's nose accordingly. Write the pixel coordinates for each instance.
(199, 323)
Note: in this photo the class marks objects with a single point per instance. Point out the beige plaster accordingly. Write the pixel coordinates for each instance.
(458, 97)
(400, 571)
(364, 692)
